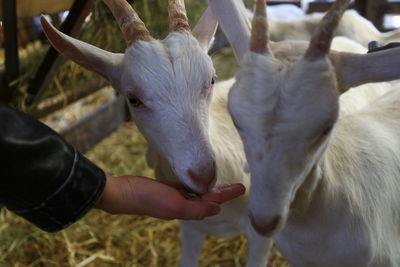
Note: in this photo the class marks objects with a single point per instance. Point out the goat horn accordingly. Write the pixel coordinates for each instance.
(322, 38)
(259, 42)
(178, 21)
(128, 20)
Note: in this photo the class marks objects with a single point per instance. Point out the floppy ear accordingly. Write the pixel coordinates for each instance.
(205, 29)
(105, 63)
(231, 15)
(356, 69)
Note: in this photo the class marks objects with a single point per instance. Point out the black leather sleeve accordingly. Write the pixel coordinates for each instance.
(43, 178)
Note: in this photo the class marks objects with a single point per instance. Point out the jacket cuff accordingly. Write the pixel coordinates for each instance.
(71, 201)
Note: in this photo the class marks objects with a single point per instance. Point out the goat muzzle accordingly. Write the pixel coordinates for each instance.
(269, 228)
(204, 180)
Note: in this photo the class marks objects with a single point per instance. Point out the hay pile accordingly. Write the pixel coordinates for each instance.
(113, 240)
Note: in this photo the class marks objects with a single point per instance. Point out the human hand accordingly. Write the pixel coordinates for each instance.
(163, 200)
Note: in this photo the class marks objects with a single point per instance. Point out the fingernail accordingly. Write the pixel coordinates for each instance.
(216, 190)
(222, 187)
(226, 188)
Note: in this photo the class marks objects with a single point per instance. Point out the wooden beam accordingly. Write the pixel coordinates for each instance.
(360, 6)
(31, 8)
(280, 2)
(49, 66)
(393, 8)
(90, 130)
(58, 102)
(11, 50)
(318, 7)
(374, 12)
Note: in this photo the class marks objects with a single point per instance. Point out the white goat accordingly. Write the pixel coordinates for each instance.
(325, 187)
(169, 87)
(285, 12)
(288, 22)
(352, 26)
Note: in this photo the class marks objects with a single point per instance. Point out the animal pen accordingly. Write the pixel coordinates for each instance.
(86, 111)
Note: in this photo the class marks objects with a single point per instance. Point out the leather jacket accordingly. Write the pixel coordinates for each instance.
(42, 177)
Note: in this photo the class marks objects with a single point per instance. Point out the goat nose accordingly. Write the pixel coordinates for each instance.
(268, 228)
(205, 179)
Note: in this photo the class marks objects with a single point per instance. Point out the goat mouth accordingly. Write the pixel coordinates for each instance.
(190, 192)
(191, 195)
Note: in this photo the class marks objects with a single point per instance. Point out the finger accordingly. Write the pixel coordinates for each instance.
(198, 210)
(223, 193)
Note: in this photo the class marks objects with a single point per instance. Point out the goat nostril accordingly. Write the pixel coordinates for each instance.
(267, 229)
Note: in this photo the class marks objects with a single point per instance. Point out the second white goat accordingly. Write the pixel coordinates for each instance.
(325, 187)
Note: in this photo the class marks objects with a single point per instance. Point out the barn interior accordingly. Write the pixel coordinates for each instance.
(89, 114)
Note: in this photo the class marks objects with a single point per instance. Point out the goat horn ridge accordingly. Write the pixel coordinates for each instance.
(128, 20)
(259, 42)
(321, 41)
(178, 21)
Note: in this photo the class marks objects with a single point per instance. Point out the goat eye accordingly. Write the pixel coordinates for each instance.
(134, 101)
(213, 80)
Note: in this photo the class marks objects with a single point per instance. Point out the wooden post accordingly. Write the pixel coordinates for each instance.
(49, 66)
(57, 103)
(360, 6)
(318, 7)
(93, 128)
(11, 50)
(375, 11)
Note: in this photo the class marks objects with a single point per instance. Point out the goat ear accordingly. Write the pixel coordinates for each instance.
(356, 69)
(92, 58)
(205, 29)
(235, 23)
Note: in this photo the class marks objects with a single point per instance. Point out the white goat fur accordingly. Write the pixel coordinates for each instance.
(339, 195)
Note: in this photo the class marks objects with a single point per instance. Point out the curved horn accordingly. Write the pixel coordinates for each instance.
(128, 20)
(259, 42)
(322, 38)
(88, 56)
(178, 21)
